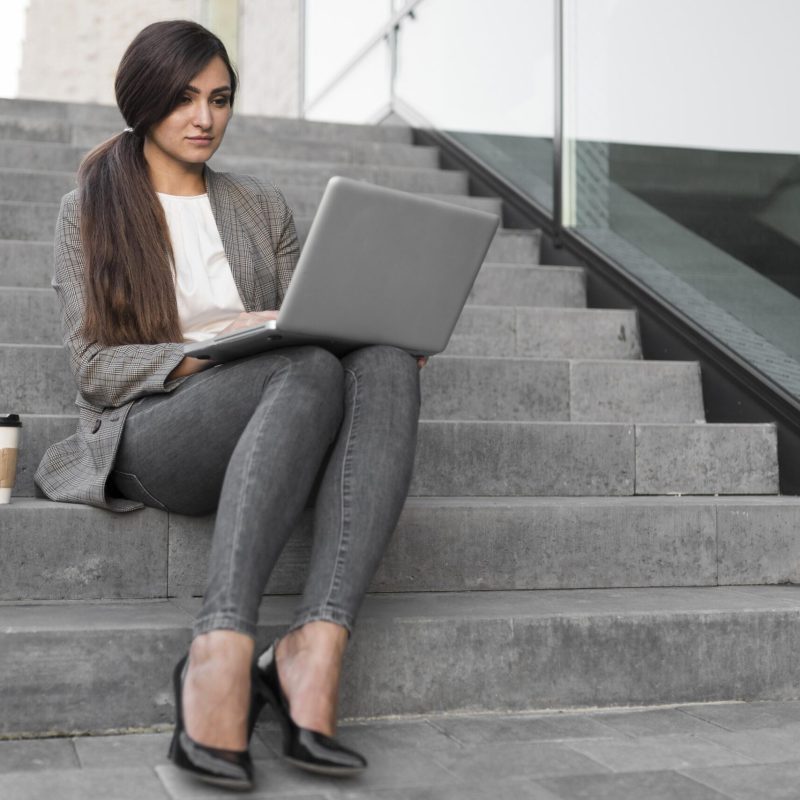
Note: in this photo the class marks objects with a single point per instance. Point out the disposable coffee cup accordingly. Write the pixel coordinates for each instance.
(10, 429)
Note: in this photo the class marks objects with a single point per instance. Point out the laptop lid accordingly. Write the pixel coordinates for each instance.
(379, 266)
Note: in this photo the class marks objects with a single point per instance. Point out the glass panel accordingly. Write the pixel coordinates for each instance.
(362, 95)
(484, 72)
(681, 124)
(335, 32)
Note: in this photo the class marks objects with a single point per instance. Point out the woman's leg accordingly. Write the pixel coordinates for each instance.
(259, 429)
(363, 489)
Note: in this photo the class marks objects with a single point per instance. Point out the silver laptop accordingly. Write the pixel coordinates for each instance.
(379, 266)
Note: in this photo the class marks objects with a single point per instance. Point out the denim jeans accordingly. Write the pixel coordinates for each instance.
(251, 438)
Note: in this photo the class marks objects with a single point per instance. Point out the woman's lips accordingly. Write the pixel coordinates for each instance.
(200, 139)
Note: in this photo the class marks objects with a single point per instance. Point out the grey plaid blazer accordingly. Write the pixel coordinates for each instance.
(258, 233)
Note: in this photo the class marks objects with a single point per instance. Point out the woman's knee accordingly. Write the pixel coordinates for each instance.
(388, 367)
(319, 368)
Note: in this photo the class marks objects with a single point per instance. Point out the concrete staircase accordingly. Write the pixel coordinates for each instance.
(551, 457)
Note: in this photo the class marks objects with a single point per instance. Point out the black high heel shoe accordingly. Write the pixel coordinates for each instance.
(232, 769)
(307, 749)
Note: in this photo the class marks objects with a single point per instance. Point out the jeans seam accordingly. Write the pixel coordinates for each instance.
(335, 577)
(246, 482)
(157, 503)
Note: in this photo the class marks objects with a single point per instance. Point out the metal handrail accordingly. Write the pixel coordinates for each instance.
(388, 30)
(558, 131)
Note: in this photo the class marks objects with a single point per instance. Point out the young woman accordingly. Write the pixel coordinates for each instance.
(153, 249)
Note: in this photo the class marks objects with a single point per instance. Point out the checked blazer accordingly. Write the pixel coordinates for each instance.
(258, 234)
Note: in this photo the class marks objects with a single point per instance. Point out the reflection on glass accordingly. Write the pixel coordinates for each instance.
(685, 144)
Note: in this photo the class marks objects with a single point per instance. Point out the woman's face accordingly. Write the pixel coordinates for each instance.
(192, 132)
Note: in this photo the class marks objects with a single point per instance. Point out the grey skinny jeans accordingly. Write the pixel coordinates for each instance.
(249, 439)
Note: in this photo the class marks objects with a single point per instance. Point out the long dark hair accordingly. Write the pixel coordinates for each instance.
(130, 290)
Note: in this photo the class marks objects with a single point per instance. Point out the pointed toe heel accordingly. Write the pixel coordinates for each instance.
(304, 748)
(232, 769)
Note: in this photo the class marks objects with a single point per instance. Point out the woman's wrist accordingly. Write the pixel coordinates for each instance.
(189, 366)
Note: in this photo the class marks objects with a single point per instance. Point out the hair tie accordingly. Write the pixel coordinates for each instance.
(127, 130)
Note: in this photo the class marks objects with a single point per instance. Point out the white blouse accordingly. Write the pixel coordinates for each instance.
(208, 299)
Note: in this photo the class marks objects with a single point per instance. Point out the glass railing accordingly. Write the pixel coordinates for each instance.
(482, 72)
(683, 140)
(672, 125)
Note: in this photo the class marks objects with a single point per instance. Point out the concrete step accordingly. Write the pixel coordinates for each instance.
(36, 221)
(526, 389)
(26, 263)
(462, 387)
(89, 123)
(237, 155)
(521, 285)
(43, 186)
(453, 387)
(32, 315)
(64, 663)
(27, 221)
(55, 551)
(21, 258)
(89, 134)
(546, 333)
(514, 459)
(304, 200)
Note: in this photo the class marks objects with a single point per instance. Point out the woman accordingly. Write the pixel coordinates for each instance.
(153, 249)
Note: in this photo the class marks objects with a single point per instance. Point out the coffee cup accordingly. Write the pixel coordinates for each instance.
(10, 428)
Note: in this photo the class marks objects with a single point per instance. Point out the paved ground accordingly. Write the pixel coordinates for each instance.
(698, 752)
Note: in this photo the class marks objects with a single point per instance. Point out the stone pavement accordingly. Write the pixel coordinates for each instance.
(697, 752)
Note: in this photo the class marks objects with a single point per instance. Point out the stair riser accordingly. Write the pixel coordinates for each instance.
(69, 680)
(25, 264)
(511, 459)
(555, 390)
(36, 221)
(89, 124)
(542, 287)
(56, 552)
(456, 388)
(237, 154)
(88, 134)
(38, 187)
(28, 222)
(33, 317)
(545, 333)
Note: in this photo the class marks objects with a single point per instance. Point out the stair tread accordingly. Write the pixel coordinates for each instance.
(63, 616)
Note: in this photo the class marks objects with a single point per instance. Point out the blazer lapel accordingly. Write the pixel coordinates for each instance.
(234, 240)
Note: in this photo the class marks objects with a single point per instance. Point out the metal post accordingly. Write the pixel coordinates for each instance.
(558, 132)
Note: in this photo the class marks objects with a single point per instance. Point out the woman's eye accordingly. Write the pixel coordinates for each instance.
(185, 99)
(221, 102)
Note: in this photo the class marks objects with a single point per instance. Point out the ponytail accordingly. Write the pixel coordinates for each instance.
(130, 288)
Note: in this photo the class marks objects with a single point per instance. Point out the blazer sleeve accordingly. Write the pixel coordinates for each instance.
(283, 234)
(106, 376)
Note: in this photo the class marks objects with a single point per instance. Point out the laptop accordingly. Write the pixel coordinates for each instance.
(379, 266)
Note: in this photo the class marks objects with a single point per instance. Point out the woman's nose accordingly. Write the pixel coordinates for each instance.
(202, 118)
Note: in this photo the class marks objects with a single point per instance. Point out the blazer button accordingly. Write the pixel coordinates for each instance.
(96, 426)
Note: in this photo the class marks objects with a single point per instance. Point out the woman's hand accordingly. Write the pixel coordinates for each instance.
(249, 319)
(422, 361)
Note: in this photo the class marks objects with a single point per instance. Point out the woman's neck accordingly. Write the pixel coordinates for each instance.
(178, 183)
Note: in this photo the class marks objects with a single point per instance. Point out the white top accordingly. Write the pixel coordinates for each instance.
(208, 299)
